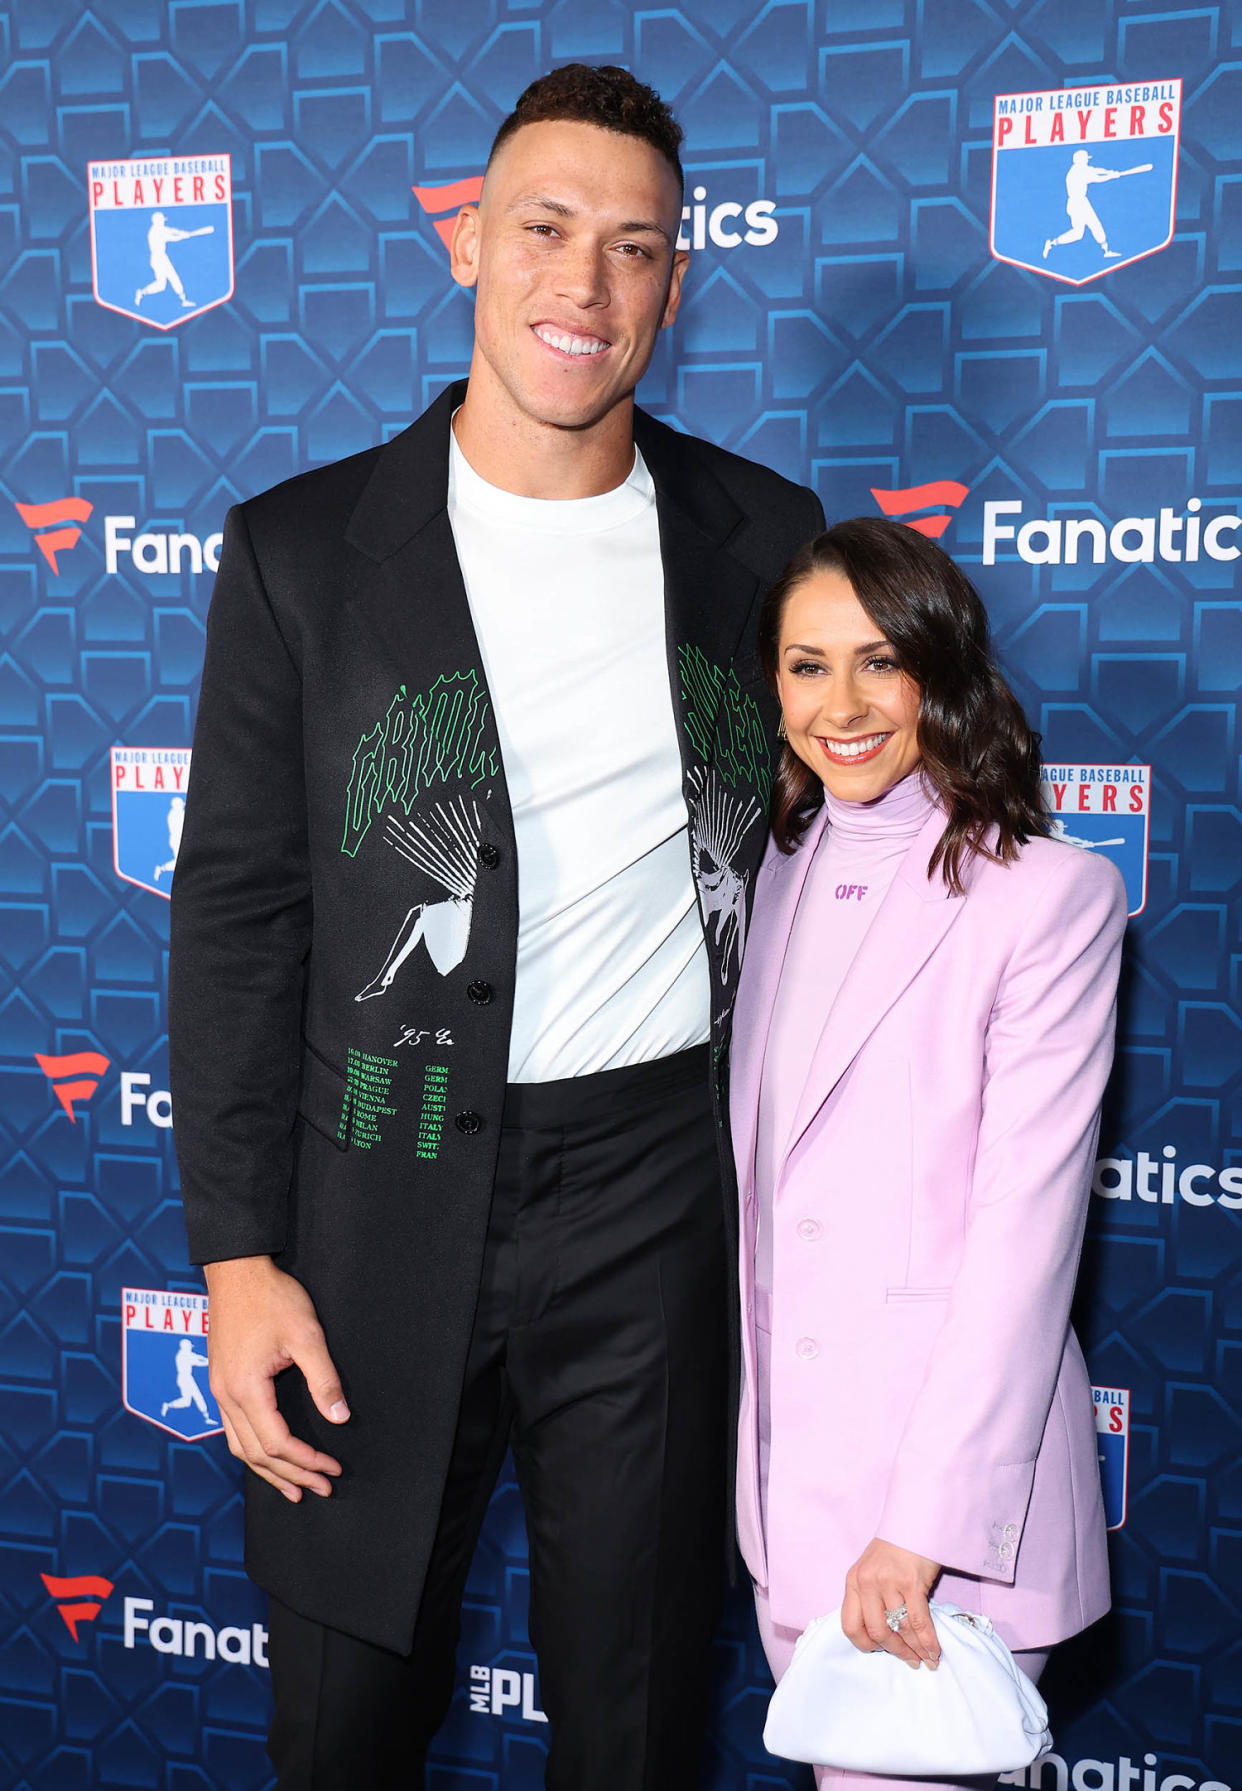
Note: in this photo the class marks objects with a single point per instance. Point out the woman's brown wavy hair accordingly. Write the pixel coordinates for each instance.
(978, 754)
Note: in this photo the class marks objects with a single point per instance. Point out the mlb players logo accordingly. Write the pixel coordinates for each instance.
(1112, 1436)
(1104, 809)
(162, 236)
(1084, 179)
(164, 1362)
(148, 808)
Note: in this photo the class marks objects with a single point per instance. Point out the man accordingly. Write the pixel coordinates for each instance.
(448, 1019)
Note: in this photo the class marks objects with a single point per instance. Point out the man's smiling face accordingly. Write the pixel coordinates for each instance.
(571, 250)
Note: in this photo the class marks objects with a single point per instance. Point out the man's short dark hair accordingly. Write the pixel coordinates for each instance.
(609, 97)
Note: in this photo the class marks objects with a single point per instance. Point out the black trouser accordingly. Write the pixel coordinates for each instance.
(599, 1351)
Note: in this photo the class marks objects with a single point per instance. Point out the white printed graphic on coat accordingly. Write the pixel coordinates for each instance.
(719, 821)
(444, 843)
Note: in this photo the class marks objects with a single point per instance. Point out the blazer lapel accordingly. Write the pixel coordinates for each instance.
(708, 594)
(912, 919)
(411, 591)
(724, 721)
(778, 889)
(400, 523)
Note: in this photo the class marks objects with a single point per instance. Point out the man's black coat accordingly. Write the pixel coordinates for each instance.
(344, 924)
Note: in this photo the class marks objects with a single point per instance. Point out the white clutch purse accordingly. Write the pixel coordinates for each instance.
(978, 1712)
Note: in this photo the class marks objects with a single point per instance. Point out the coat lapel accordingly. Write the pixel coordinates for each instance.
(401, 524)
(708, 594)
(912, 919)
(410, 590)
(724, 727)
(778, 890)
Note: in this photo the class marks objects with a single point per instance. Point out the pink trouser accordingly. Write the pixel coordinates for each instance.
(778, 1645)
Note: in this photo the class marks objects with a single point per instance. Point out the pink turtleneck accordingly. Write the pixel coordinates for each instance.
(856, 858)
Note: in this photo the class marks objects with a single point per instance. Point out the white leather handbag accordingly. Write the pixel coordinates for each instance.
(978, 1712)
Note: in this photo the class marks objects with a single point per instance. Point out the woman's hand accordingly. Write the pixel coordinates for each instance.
(883, 1578)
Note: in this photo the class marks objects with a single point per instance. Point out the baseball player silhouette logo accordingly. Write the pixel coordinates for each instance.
(164, 1362)
(1081, 212)
(1101, 158)
(148, 813)
(1104, 809)
(159, 236)
(162, 236)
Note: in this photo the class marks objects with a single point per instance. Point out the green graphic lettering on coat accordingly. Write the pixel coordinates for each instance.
(367, 1103)
(435, 1104)
(432, 737)
(723, 722)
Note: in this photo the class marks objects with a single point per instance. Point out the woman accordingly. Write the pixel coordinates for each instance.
(923, 1033)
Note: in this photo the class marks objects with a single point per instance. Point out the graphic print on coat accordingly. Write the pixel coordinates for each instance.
(723, 722)
(368, 1098)
(719, 822)
(443, 842)
(724, 795)
(433, 737)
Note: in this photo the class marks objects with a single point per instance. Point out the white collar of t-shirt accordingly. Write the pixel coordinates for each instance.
(469, 491)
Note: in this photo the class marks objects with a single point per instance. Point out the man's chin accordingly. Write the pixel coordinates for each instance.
(575, 410)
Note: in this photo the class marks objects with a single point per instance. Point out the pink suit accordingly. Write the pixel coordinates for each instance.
(927, 1220)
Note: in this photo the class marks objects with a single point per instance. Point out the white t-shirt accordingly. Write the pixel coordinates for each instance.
(567, 597)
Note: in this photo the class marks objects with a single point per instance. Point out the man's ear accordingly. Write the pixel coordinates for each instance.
(464, 246)
(681, 261)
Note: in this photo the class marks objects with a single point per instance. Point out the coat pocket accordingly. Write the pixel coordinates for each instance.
(899, 1296)
(322, 1096)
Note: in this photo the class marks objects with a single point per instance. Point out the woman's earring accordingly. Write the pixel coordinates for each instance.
(780, 732)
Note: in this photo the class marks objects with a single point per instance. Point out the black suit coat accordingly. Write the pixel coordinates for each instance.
(347, 798)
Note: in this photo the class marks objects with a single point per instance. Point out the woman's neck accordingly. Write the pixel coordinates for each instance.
(899, 813)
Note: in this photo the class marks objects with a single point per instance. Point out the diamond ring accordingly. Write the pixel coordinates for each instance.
(896, 1618)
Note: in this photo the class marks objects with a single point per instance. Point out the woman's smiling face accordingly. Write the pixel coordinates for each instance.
(851, 714)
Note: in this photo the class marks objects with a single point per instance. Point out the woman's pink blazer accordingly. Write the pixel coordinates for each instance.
(926, 1386)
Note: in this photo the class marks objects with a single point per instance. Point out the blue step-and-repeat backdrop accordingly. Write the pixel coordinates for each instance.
(970, 263)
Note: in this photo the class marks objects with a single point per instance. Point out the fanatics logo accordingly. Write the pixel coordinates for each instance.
(902, 503)
(51, 520)
(449, 199)
(162, 236)
(73, 1078)
(79, 1600)
(155, 553)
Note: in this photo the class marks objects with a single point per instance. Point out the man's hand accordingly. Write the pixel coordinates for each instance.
(263, 1321)
(883, 1578)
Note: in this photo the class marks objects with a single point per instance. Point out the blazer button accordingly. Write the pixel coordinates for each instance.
(469, 1123)
(1009, 1532)
(807, 1348)
(489, 855)
(480, 993)
(1005, 1551)
(809, 1230)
